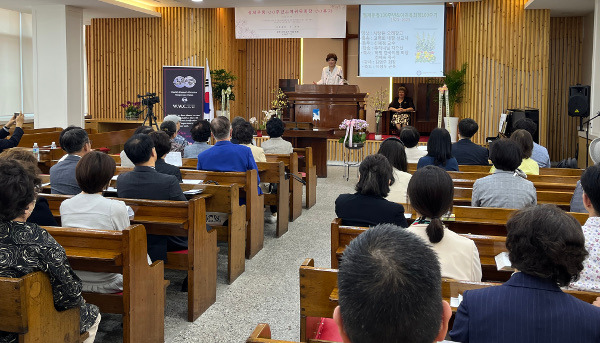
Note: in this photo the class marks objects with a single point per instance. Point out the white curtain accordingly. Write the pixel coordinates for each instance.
(16, 63)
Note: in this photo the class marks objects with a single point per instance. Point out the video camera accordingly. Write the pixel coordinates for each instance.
(149, 99)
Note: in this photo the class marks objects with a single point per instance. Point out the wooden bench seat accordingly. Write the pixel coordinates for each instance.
(307, 167)
(177, 218)
(486, 169)
(143, 298)
(462, 197)
(27, 309)
(291, 164)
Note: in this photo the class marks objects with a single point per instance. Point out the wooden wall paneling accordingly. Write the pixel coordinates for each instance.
(566, 36)
(506, 48)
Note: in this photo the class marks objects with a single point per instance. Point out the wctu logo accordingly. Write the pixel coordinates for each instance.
(184, 106)
(187, 82)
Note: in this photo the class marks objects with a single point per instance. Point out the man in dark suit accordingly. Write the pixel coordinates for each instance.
(14, 140)
(74, 140)
(390, 294)
(547, 247)
(144, 182)
(465, 151)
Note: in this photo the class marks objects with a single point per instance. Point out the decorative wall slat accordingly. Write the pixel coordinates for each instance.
(507, 49)
(566, 55)
(125, 58)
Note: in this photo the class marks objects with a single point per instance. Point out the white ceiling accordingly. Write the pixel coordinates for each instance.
(118, 9)
(562, 8)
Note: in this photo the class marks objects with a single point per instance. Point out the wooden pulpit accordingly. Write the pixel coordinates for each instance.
(335, 103)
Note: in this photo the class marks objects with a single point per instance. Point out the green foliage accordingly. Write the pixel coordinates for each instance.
(221, 79)
(455, 80)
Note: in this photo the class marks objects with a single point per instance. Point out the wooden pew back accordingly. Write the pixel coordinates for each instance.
(295, 187)
(306, 165)
(462, 197)
(568, 180)
(27, 308)
(124, 252)
(274, 173)
(262, 334)
(316, 285)
(486, 169)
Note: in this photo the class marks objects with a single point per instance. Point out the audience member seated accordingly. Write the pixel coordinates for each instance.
(144, 182)
(577, 199)
(546, 247)
(74, 140)
(431, 193)
(539, 153)
(15, 138)
(200, 134)
(162, 144)
(27, 248)
(125, 161)
(368, 206)
(393, 149)
(180, 140)
(243, 133)
(506, 187)
(589, 279)
(275, 144)
(41, 214)
(410, 138)
(525, 142)
(225, 156)
(235, 122)
(465, 151)
(90, 210)
(439, 151)
(170, 129)
(389, 289)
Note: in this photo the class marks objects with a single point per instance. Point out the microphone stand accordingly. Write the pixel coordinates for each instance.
(587, 136)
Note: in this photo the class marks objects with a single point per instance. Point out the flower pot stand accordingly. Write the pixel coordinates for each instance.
(357, 150)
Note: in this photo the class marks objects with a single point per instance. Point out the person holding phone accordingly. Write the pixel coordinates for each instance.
(13, 141)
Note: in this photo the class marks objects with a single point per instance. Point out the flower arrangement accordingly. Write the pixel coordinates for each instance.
(262, 124)
(132, 110)
(357, 128)
(281, 101)
(379, 102)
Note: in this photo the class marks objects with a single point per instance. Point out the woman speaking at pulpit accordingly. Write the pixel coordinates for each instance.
(332, 73)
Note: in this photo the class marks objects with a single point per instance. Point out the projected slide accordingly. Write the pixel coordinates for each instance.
(401, 40)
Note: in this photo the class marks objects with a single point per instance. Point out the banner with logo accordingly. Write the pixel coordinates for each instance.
(183, 92)
(306, 21)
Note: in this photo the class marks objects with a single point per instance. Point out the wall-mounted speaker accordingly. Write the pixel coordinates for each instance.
(579, 101)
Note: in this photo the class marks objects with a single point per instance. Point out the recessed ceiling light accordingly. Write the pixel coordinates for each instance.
(197, 0)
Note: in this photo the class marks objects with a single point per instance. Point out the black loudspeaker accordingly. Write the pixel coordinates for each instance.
(579, 101)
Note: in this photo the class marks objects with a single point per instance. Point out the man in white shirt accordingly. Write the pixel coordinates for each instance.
(589, 279)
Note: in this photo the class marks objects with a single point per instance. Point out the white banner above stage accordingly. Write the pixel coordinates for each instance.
(310, 21)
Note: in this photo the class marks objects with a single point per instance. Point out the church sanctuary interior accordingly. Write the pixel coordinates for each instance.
(259, 171)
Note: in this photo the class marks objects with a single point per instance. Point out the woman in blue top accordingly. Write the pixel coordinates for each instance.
(439, 151)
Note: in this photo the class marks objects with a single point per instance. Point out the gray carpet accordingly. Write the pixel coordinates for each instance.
(266, 292)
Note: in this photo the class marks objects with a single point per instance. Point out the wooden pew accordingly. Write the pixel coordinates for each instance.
(42, 139)
(254, 202)
(143, 298)
(486, 169)
(308, 169)
(274, 172)
(178, 218)
(488, 247)
(462, 197)
(569, 180)
(291, 164)
(27, 309)
(262, 334)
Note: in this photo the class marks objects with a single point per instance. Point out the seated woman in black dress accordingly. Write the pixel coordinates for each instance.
(439, 151)
(400, 108)
(368, 206)
(41, 213)
(27, 248)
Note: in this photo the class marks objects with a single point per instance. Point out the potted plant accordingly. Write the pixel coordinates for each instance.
(261, 125)
(379, 104)
(455, 83)
(222, 86)
(280, 102)
(356, 133)
(132, 110)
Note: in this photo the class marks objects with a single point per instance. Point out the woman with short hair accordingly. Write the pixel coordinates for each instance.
(27, 248)
(506, 187)
(275, 144)
(525, 142)
(90, 210)
(332, 73)
(431, 194)
(243, 134)
(170, 128)
(439, 151)
(162, 145)
(400, 108)
(393, 149)
(546, 247)
(368, 206)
